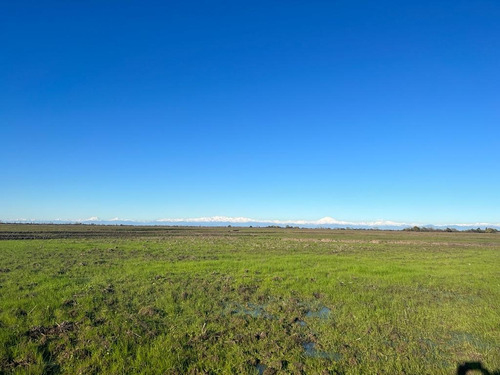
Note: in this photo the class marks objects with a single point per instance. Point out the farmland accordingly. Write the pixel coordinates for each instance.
(173, 300)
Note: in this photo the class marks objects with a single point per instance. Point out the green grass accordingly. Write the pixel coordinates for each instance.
(225, 300)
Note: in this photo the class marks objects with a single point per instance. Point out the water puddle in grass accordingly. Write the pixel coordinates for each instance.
(311, 351)
(260, 368)
(322, 313)
(251, 309)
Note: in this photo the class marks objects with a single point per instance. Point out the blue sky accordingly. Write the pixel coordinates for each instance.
(358, 110)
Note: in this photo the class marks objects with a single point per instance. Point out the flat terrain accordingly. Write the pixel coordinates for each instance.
(156, 300)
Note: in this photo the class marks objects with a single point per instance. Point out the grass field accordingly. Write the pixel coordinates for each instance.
(121, 300)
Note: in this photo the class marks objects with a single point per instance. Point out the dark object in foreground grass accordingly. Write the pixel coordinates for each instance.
(465, 367)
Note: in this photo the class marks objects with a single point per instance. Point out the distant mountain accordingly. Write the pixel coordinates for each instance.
(326, 222)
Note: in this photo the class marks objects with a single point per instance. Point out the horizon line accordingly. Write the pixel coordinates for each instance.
(239, 220)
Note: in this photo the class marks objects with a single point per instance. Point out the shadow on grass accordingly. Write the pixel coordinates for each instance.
(465, 367)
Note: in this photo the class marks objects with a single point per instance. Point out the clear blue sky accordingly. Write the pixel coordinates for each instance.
(359, 110)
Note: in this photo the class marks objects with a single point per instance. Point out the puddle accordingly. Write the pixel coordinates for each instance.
(311, 351)
(299, 322)
(322, 313)
(251, 309)
(260, 368)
